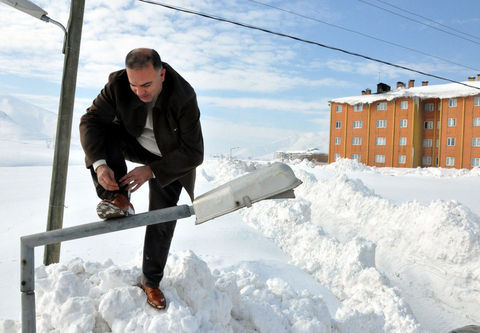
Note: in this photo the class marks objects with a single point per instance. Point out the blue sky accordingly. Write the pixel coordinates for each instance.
(256, 91)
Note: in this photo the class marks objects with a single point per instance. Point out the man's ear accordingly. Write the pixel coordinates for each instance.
(162, 74)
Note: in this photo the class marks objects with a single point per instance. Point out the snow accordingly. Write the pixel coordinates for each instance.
(20, 120)
(442, 91)
(361, 249)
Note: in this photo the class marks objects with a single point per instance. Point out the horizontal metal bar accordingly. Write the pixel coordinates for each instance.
(102, 227)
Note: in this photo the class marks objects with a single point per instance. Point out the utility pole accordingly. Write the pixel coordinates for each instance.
(64, 127)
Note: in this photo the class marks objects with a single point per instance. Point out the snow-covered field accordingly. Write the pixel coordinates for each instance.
(359, 250)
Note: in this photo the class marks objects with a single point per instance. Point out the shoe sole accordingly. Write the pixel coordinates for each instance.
(151, 304)
(106, 210)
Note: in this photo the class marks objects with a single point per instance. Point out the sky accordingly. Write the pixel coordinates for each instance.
(256, 91)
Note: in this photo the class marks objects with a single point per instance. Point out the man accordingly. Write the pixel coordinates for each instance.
(148, 114)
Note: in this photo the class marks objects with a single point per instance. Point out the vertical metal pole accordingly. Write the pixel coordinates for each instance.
(64, 127)
(27, 287)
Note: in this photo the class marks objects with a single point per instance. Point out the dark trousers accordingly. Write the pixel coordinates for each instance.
(158, 237)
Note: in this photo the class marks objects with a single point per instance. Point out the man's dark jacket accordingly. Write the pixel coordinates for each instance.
(176, 125)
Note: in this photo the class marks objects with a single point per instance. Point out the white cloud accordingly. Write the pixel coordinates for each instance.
(216, 56)
(288, 105)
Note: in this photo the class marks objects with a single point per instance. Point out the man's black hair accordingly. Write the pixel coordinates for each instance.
(140, 58)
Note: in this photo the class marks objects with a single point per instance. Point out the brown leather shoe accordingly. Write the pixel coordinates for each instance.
(118, 207)
(154, 297)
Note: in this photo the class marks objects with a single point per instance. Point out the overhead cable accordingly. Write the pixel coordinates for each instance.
(221, 19)
(363, 34)
(428, 19)
(419, 22)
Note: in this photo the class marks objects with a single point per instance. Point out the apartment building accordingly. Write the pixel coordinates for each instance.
(426, 126)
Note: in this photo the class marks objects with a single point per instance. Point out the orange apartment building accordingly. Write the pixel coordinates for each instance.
(426, 126)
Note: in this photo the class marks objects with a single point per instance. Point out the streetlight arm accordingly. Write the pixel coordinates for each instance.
(27, 7)
(65, 38)
(37, 12)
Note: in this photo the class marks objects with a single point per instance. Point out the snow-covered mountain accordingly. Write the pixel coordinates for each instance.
(27, 134)
(22, 120)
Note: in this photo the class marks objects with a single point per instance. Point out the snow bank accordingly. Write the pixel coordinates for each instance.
(392, 266)
(90, 297)
(435, 245)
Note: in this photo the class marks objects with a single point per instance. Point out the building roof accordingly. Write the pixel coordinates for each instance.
(423, 92)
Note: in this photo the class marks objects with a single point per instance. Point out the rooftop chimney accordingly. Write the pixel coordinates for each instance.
(400, 84)
(382, 88)
(363, 92)
(478, 77)
(471, 78)
(411, 83)
(368, 91)
(424, 83)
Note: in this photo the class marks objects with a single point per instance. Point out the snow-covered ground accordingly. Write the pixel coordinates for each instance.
(359, 250)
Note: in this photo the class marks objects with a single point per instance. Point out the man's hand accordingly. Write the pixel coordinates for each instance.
(136, 178)
(106, 178)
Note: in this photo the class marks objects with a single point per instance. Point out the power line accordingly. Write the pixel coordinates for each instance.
(221, 19)
(363, 34)
(428, 19)
(419, 22)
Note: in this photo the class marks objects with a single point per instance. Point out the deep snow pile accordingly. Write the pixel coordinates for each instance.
(91, 297)
(430, 249)
(386, 266)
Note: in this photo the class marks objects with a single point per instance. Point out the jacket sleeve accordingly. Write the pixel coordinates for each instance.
(94, 124)
(188, 153)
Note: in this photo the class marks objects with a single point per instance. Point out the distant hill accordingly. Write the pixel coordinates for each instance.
(27, 134)
(22, 120)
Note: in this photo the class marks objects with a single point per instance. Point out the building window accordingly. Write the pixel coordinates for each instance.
(437, 144)
(382, 106)
(338, 140)
(403, 123)
(426, 160)
(476, 121)
(381, 123)
(438, 124)
(402, 141)
(476, 142)
(429, 107)
(452, 103)
(338, 124)
(402, 159)
(356, 157)
(358, 107)
(427, 143)
(357, 124)
(476, 101)
(450, 142)
(450, 161)
(380, 141)
(475, 162)
(379, 158)
(338, 108)
(404, 105)
(452, 122)
(356, 141)
(428, 124)
(336, 156)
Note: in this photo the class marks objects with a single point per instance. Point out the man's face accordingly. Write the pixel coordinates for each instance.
(146, 83)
